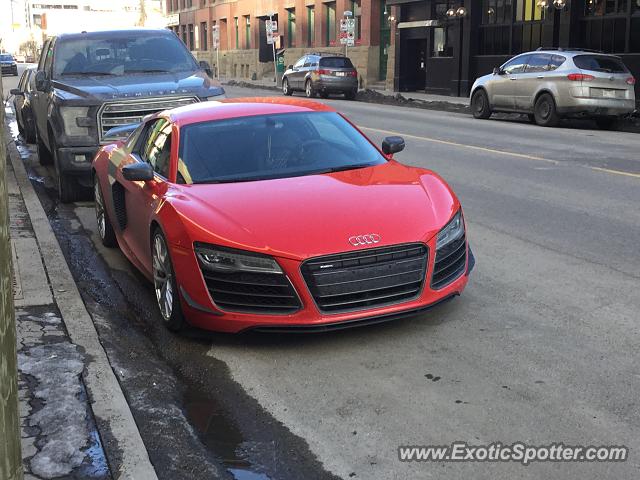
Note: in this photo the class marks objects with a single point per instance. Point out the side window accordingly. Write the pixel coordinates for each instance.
(308, 62)
(48, 61)
(538, 63)
(299, 63)
(556, 61)
(43, 56)
(23, 80)
(516, 65)
(156, 148)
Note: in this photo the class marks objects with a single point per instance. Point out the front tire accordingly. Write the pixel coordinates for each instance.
(286, 89)
(309, 91)
(44, 155)
(480, 105)
(545, 112)
(68, 188)
(105, 229)
(165, 285)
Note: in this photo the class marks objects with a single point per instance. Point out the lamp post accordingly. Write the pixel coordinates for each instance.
(273, 48)
(452, 14)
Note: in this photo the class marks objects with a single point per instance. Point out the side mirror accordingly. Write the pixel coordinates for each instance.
(138, 172)
(206, 67)
(17, 92)
(391, 145)
(290, 67)
(497, 71)
(43, 84)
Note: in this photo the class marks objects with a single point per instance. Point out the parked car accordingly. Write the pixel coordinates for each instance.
(8, 64)
(88, 83)
(275, 215)
(551, 84)
(321, 73)
(22, 105)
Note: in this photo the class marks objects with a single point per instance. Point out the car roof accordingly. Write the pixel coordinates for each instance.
(570, 52)
(242, 107)
(113, 32)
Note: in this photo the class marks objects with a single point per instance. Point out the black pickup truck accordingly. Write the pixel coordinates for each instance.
(88, 83)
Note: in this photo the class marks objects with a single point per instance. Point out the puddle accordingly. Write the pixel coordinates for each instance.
(221, 436)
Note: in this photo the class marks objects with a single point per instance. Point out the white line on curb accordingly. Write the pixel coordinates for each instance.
(108, 400)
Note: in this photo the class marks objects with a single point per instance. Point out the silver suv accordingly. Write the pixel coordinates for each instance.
(551, 84)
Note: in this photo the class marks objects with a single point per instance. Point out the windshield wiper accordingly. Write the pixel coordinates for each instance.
(146, 70)
(341, 168)
(64, 74)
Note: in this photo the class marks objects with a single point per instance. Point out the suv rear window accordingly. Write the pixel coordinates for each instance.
(336, 62)
(600, 63)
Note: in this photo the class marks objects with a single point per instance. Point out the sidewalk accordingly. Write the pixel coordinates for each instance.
(75, 421)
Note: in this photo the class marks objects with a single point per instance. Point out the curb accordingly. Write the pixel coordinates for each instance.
(108, 401)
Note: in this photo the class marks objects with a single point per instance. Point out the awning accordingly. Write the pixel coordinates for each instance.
(420, 24)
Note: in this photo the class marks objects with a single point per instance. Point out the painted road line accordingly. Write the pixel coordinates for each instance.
(463, 145)
(616, 172)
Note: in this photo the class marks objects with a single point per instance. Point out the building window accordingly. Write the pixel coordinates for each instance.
(311, 26)
(191, 38)
(330, 38)
(203, 36)
(247, 32)
(356, 9)
(442, 46)
(184, 34)
(291, 27)
(235, 22)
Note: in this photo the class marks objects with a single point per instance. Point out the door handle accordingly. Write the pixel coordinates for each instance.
(512, 78)
(540, 76)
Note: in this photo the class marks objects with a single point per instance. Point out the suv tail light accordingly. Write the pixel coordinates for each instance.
(631, 81)
(322, 71)
(580, 77)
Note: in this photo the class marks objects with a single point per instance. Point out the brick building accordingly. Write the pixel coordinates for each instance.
(303, 26)
(437, 46)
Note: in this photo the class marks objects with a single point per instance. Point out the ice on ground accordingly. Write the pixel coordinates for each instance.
(63, 418)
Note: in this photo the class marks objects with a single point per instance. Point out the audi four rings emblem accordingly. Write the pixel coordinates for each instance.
(368, 239)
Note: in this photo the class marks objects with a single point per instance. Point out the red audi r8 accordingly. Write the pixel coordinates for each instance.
(277, 214)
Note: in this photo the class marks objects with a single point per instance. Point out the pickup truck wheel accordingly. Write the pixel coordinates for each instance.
(44, 156)
(68, 188)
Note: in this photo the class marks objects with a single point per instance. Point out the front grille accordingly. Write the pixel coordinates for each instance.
(369, 278)
(450, 262)
(117, 114)
(248, 292)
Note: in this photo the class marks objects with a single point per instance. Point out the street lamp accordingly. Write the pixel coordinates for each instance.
(452, 14)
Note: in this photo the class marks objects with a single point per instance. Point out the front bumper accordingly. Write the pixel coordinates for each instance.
(201, 312)
(76, 161)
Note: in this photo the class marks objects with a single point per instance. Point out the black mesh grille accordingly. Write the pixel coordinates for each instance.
(450, 262)
(119, 205)
(366, 279)
(266, 293)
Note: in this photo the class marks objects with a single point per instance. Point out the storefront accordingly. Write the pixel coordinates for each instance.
(442, 46)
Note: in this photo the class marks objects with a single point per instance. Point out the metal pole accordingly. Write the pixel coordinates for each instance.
(218, 62)
(10, 453)
(273, 47)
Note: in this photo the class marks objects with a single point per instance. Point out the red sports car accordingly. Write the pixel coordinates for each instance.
(278, 214)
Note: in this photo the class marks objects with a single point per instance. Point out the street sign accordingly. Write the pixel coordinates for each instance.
(347, 31)
(215, 33)
(271, 25)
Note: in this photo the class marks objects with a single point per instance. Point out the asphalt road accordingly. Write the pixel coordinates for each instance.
(542, 347)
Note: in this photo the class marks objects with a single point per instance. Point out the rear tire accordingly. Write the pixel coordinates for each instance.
(309, 91)
(164, 283)
(105, 229)
(545, 112)
(286, 90)
(44, 155)
(480, 105)
(606, 123)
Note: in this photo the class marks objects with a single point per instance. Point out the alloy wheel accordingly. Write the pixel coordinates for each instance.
(162, 277)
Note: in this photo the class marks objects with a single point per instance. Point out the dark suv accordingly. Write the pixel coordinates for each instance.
(89, 83)
(321, 73)
(8, 64)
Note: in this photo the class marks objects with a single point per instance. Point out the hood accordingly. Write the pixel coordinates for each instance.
(314, 215)
(99, 89)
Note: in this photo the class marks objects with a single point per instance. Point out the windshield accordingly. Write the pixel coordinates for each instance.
(6, 58)
(272, 146)
(599, 63)
(137, 53)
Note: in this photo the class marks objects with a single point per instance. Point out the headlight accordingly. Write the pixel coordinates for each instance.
(451, 232)
(70, 116)
(224, 260)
